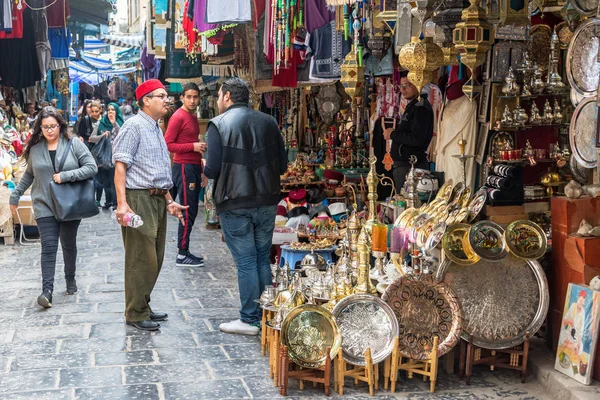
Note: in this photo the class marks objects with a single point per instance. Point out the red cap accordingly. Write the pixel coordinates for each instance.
(147, 87)
(583, 294)
(297, 195)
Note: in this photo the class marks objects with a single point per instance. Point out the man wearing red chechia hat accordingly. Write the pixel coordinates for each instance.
(142, 183)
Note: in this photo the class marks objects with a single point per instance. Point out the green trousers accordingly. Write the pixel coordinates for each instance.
(144, 252)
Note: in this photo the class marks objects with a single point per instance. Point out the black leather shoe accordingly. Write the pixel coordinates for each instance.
(71, 286)
(158, 316)
(146, 325)
(45, 299)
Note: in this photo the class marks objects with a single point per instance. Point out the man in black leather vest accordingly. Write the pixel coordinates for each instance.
(245, 157)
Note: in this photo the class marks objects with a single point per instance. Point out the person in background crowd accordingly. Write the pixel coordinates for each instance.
(84, 111)
(44, 149)
(93, 121)
(142, 182)
(108, 128)
(31, 115)
(182, 140)
(163, 123)
(246, 157)
(126, 110)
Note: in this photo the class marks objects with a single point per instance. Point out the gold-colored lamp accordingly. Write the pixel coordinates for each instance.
(473, 37)
(389, 15)
(353, 75)
(421, 57)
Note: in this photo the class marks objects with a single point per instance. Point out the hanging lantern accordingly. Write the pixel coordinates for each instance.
(421, 57)
(388, 13)
(473, 37)
(353, 74)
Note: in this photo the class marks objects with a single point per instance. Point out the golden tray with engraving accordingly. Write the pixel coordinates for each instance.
(526, 239)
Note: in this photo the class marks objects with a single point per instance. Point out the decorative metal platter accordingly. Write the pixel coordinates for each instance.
(424, 309)
(586, 8)
(540, 36)
(464, 199)
(580, 173)
(445, 191)
(453, 245)
(576, 98)
(406, 216)
(476, 204)
(457, 192)
(583, 68)
(526, 239)
(308, 330)
(365, 321)
(582, 132)
(501, 301)
(486, 238)
(435, 236)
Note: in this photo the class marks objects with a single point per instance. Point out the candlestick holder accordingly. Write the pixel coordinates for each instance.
(377, 272)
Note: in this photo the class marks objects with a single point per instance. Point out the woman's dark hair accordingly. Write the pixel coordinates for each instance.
(238, 90)
(84, 110)
(37, 135)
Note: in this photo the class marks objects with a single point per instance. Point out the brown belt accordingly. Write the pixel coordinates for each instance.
(157, 192)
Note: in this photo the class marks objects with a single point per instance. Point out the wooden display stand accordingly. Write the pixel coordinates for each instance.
(315, 375)
(274, 354)
(266, 332)
(427, 368)
(369, 373)
(513, 358)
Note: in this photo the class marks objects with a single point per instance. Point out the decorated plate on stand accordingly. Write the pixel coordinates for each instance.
(486, 238)
(453, 244)
(502, 301)
(476, 204)
(424, 308)
(526, 239)
(308, 330)
(365, 321)
(445, 191)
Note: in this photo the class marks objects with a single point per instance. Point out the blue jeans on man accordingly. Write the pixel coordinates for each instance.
(248, 233)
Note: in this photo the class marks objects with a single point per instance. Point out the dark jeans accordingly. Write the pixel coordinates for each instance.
(187, 180)
(107, 177)
(249, 233)
(98, 186)
(50, 231)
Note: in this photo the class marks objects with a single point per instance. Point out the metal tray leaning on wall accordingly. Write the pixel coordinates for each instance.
(501, 301)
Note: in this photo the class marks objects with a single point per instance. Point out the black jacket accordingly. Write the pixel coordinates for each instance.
(413, 135)
(250, 158)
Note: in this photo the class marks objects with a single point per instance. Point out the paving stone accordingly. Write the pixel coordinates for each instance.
(183, 372)
(92, 318)
(20, 381)
(239, 368)
(114, 307)
(217, 337)
(232, 313)
(124, 358)
(183, 326)
(250, 350)
(220, 303)
(112, 330)
(60, 394)
(124, 392)
(209, 390)
(90, 377)
(31, 321)
(199, 354)
(93, 345)
(19, 304)
(202, 293)
(160, 340)
(50, 361)
(63, 309)
(50, 332)
(12, 313)
(37, 347)
(102, 297)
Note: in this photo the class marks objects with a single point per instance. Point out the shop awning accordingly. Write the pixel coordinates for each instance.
(81, 72)
(94, 44)
(134, 41)
(91, 11)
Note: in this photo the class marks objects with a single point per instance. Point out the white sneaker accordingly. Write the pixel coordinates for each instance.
(239, 327)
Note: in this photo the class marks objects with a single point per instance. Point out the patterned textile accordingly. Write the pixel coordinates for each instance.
(147, 160)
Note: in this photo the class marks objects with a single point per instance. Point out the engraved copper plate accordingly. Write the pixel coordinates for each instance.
(501, 301)
(425, 309)
(307, 331)
(539, 45)
(365, 322)
(486, 238)
(583, 68)
(582, 133)
(526, 239)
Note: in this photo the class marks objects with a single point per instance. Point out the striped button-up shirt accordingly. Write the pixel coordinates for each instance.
(141, 146)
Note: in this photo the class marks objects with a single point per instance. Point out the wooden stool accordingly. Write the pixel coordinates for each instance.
(315, 375)
(427, 368)
(274, 357)
(369, 373)
(513, 358)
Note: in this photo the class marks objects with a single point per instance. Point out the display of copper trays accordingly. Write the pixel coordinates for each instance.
(365, 321)
(453, 245)
(307, 331)
(501, 301)
(582, 67)
(582, 132)
(425, 309)
(526, 239)
(486, 238)
(476, 204)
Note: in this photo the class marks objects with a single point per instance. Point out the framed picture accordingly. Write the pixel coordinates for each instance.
(578, 333)
(484, 102)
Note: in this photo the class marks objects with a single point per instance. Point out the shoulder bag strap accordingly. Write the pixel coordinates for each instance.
(64, 157)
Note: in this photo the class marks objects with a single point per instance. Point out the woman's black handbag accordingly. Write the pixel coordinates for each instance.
(73, 200)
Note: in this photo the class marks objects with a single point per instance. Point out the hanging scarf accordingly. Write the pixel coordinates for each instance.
(105, 124)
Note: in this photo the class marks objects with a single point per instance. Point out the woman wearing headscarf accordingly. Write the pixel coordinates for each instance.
(103, 136)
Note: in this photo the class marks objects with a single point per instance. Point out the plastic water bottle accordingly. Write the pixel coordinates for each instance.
(132, 220)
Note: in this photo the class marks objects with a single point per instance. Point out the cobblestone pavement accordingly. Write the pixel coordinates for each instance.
(82, 349)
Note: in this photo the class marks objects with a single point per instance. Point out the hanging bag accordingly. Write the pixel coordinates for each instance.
(73, 200)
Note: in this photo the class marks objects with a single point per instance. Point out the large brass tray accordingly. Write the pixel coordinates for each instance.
(425, 309)
(582, 132)
(583, 68)
(308, 330)
(501, 301)
(365, 321)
